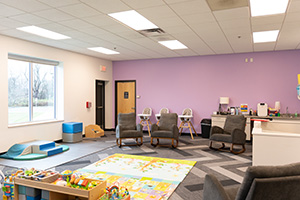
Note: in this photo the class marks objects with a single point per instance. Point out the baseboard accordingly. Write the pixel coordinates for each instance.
(109, 129)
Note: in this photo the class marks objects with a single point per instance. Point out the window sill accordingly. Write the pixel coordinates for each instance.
(35, 123)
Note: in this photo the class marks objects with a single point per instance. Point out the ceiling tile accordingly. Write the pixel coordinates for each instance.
(54, 15)
(137, 4)
(55, 27)
(232, 14)
(59, 3)
(263, 20)
(199, 18)
(294, 6)
(157, 12)
(76, 24)
(268, 46)
(107, 7)
(168, 22)
(100, 20)
(9, 11)
(292, 17)
(28, 5)
(79, 10)
(190, 7)
(12, 23)
(242, 24)
(29, 18)
(176, 1)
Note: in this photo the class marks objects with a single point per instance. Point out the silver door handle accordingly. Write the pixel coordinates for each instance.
(99, 107)
(133, 108)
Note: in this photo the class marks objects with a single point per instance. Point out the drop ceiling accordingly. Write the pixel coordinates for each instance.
(217, 27)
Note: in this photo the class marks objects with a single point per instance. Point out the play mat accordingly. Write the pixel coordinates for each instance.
(149, 178)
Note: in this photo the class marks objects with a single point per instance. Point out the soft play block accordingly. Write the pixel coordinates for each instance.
(33, 192)
(33, 198)
(22, 196)
(22, 189)
(45, 194)
(72, 127)
(75, 137)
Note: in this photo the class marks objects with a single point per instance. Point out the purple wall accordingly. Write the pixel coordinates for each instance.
(198, 82)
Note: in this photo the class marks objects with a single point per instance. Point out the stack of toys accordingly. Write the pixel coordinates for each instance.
(8, 185)
(115, 192)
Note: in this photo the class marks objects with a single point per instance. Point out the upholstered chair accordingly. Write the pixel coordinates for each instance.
(233, 133)
(127, 128)
(260, 183)
(167, 129)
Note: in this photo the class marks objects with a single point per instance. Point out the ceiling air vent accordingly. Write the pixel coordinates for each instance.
(152, 32)
(226, 4)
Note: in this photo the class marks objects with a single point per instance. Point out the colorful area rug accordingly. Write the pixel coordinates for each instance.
(147, 178)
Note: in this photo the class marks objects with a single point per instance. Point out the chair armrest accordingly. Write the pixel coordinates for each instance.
(213, 189)
(119, 129)
(139, 127)
(216, 129)
(154, 128)
(238, 136)
(175, 131)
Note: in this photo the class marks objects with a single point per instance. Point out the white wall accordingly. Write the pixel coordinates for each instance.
(80, 73)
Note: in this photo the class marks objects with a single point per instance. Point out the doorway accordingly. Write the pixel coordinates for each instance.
(125, 92)
(100, 103)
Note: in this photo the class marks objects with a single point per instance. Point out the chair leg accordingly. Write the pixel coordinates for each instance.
(237, 152)
(119, 144)
(190, 130)
(148, 128)
(193, 128)
(181, 128)
(174, 146)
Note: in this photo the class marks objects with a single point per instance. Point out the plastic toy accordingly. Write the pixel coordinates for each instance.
(115, 192)
(8, 185)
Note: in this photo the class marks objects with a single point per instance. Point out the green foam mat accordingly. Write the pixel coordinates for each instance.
(31, 156)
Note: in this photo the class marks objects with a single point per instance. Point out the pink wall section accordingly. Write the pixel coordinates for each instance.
(198, 82)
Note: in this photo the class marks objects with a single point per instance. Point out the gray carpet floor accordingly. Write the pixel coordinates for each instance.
(228, 168)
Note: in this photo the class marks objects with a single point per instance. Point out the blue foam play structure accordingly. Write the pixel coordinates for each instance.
(34, 150)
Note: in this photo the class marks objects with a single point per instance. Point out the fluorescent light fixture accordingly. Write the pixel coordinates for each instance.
(133, 19)
(265, 36)
(173, 44)
(43, 32)
(268, 7)
(103, 50)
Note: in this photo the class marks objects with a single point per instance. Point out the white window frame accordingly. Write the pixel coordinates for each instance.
(58, 88)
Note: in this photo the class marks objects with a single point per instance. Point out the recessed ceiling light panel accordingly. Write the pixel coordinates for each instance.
(173, 44)
(43, 32)
(103, 50)
(268, 7)
(133, 19)
(265, 36)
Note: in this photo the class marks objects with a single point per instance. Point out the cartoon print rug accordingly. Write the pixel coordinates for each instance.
(145, 177)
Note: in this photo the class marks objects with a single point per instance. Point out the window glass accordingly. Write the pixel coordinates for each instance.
(18, 91)
(43, 92)
(31, 91)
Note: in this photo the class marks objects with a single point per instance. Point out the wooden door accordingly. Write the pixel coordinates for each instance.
(125, 97)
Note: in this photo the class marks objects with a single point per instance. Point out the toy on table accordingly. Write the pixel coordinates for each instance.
(66, 174)
(8, 185)
(115, 192)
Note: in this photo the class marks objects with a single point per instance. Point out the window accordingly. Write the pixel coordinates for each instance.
(31, 89)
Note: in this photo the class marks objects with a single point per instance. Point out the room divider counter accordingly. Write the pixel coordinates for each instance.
(276, 141)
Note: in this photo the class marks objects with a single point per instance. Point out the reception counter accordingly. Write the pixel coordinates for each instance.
(276, 142)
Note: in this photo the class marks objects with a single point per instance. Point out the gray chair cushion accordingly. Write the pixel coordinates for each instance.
(234, 122)
(130, 134)
(127, 121)
(167, 120)
(163, 134)
(254, 172)
(221, 138)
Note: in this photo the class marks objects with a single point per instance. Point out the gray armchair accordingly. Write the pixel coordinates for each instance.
(167, 129)
(260, 183)
(127, 128)
(232, 133)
